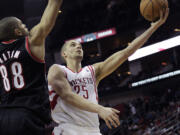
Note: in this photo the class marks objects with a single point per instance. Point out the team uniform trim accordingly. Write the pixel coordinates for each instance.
(30, 53)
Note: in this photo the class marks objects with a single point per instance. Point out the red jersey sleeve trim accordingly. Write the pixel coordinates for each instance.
(93, 70)
(30, 53)
(8, 42)
(93, 77)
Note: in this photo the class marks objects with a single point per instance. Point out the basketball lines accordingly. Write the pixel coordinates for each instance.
(146, 6)
(152, 17)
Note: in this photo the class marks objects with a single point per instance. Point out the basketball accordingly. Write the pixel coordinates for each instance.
(150, 9)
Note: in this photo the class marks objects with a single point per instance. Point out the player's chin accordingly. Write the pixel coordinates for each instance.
(26, 33)
(79, 57)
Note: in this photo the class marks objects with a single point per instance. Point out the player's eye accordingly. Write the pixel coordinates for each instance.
(73, 44)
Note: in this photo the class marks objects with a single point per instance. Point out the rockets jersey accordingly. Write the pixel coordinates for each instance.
(83, 83)
(23, 82)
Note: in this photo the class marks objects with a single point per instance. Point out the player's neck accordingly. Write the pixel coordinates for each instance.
(74, 66)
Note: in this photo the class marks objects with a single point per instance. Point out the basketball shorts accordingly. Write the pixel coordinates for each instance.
(70, 129)
(21, 122)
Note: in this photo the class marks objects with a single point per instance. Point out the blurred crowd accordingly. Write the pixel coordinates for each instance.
(148, 115)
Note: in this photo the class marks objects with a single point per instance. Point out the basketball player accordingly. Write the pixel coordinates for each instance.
(73, 89)
(24, 99)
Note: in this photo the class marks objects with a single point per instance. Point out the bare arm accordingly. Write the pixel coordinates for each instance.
(58, 81)
(39, 32)
(114, 61)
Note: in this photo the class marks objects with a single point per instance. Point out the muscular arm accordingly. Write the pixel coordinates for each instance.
(114, 61)
(40, 31)
(59, 83)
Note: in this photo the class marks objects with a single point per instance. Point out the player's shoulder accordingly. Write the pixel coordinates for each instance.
(55, 72)
(55, 68)
(89, 67)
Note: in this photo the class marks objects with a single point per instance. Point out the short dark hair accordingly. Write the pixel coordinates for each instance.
(7, 26)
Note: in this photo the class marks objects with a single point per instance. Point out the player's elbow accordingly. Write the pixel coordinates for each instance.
(51, 81)
(61, 91)
(67, 97)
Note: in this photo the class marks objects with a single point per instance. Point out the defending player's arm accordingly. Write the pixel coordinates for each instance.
(40, 31)
(58, 81)
(114, 61)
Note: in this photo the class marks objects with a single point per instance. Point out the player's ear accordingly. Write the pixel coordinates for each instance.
(18, 32)
(64, 54)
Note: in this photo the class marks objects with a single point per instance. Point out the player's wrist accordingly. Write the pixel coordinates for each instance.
(100, 109)
(155, 25)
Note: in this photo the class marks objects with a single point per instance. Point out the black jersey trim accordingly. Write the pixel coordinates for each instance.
(30, 53)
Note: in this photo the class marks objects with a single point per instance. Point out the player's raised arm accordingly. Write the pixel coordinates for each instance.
(59, 83)
(106, 67)
(39, 32)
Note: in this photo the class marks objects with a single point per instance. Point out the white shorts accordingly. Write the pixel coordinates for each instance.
(70, 129)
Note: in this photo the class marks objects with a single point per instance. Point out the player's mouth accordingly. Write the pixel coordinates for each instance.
(79, 51)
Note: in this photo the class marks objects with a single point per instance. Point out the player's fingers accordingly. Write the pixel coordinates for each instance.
(116, 120)
(165, 15)
(161, 13)
(112, 122)
(115, 115)
(166, 3)
(165, 8)
(115, 110)
(167, 12)
(108, 124)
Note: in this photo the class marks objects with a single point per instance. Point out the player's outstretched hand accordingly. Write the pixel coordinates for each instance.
(164, 13)
(110, 116)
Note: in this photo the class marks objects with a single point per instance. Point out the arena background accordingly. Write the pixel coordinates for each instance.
(146, 87)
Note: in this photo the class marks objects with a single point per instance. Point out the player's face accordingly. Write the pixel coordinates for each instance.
(23, 28)
(74, 50)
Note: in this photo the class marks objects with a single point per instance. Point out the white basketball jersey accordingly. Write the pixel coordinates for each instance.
(84, 84)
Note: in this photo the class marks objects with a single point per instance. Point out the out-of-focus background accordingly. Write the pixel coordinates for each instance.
(146, 88)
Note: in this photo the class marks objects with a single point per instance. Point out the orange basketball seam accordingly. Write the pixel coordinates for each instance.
(158, 3)
(145, 7)
(152, 17)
